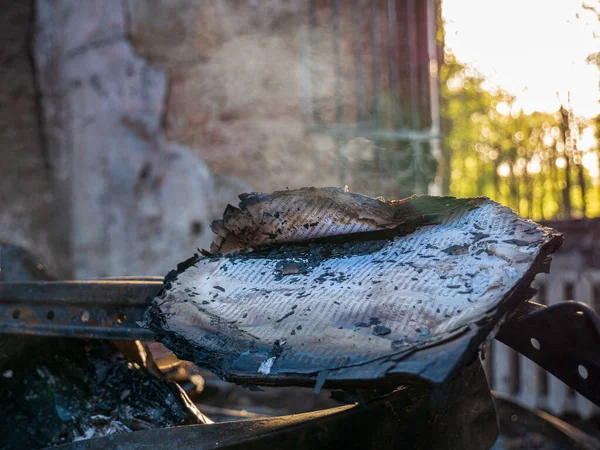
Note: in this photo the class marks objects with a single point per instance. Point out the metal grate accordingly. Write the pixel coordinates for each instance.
(369, 70)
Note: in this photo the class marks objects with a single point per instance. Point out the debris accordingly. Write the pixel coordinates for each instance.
(365, 254)
(457, 249)
(71, 389)
(321, 379)
(265, 367)
(380, 330)
(518, 242)
(285, 317)
(327, 211)
(290, 268)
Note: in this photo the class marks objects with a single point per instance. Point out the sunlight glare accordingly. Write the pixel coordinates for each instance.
(455, 84)
(503, 108)
(587, 140)
(592, 164)
(540, 54)
(548, 140)
(504, 170)
(534, 166)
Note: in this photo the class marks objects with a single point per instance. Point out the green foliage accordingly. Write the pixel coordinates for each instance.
(594, 58)
(530, 162)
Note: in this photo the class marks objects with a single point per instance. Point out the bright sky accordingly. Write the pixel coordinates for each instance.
(531, 48)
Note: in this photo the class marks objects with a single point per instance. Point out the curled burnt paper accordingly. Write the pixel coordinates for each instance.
(311, 213)
(322, 284)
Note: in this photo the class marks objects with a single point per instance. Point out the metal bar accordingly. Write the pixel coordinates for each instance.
(95, 292)
(434, 89)
(557, 390)
(126, 333)
(313, 54)
(351, 131)
(376, 60)
(358, 69)
(335, 27)
(305, 75)
(584, 292)
(412, 65)
(108, 309)
(130, 278)
(393, 59)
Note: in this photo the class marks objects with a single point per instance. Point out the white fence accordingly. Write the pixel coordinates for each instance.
(518, 377)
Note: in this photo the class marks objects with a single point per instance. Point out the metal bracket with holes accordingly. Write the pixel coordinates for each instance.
(563, 338)
(108, 309)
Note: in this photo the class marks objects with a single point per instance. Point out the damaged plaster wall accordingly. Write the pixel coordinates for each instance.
(134, 202)
(27, 205)
(232, 98)
(250, 78)
(137, 163)
(237, 89)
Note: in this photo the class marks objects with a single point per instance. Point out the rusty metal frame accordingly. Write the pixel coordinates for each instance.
(108, 309)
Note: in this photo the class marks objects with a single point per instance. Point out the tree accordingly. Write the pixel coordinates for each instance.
(530, 162)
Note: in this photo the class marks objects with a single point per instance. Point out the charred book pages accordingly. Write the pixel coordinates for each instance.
(326, 286)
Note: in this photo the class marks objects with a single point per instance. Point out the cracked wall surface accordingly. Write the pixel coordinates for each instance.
(136, 202)
(98, 173)
(236, 90)
(250, 78)
(154, 115)
(27, 201)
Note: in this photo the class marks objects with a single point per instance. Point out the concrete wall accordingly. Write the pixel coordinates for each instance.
(235, 93)
(128, 125)
(27, 201)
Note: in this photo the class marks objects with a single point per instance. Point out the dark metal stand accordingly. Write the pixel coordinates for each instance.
(564, 339)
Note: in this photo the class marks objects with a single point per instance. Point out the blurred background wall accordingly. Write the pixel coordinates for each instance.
(26, 185)
(138, 121)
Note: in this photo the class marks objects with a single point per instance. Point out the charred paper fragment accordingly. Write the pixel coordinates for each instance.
(348, 271)
(310, 213)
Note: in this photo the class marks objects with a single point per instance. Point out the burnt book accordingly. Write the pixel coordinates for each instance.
(327, 287)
